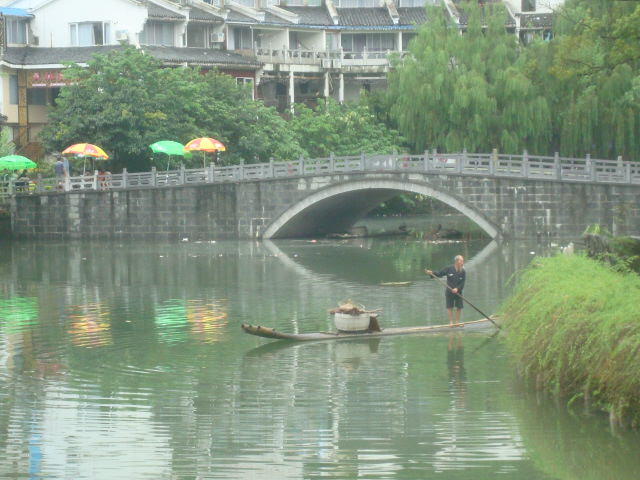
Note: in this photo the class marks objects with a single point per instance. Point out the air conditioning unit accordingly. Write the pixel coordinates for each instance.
(217, 37)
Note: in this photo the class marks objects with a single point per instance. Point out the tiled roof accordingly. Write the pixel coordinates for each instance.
(234, 16)
(58, 56)
(158, 12)
(53, 56)
(311, 15)
(271, 18)
(537, 20)
(201, 15)
(364, 17)
(412, 16)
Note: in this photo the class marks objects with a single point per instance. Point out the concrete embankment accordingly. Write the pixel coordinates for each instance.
(573, 326)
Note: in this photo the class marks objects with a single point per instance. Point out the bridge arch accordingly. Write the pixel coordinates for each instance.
(341, 205)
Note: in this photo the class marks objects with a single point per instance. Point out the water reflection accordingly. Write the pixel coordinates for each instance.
(133, 351)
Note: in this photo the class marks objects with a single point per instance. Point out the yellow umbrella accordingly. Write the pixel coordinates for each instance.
(205, 144)
(86, 149)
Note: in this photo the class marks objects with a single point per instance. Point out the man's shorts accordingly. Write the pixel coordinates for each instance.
(453, 300)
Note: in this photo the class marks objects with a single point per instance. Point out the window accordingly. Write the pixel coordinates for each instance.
(372, 42)
(36, 96)
(16, 30)
(301, 3)
(197, 35)
(406, 38)
(13, 89)
(357, 3)
(247, 3)
(87, 34)
(242, 39)
(246, 82)
(157, 33)
(332, 41)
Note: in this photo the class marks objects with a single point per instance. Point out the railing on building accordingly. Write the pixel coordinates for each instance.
(323, 58)
(524, 166)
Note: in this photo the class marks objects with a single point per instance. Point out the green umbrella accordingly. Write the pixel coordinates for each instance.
(169, 147)
(16, 162)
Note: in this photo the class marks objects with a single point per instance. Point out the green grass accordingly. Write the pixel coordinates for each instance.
(573, 325)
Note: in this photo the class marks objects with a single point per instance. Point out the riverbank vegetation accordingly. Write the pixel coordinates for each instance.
(573, 326)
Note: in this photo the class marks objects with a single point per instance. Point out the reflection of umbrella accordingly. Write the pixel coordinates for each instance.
(86, 150)
(204, 144)
(18, 313)
(169, 147)
(16, 162)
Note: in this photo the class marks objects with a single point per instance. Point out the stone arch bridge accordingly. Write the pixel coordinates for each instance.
(507, 196)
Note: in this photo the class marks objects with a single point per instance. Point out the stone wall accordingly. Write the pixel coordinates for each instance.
(518, 208)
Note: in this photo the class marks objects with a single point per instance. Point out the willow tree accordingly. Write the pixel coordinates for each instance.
(467, 89)
(596, 59)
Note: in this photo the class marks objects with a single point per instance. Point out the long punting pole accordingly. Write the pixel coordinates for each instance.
(470, 304)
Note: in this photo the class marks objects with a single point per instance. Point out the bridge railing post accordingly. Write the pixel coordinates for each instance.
(363, 161)
(154, 177)
(557, 166)
(241, 169)
(271, 171)
(425, 161)
(462, 161)
(212, 173)
(301, 165)
(332, 162)
(590, 168)
(525, 164)
(125, 180)
(627, 172)
(39, 188)
(493, 161)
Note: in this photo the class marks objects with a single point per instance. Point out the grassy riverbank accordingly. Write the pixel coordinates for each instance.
(574, 328)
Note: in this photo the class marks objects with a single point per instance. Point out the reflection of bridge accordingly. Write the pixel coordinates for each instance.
(505, 195)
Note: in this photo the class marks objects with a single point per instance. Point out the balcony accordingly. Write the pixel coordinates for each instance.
(323, 58)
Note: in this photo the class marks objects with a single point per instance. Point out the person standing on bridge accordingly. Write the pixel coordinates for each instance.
(456, 276)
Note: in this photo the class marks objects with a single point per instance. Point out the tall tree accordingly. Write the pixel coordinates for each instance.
(596, 57)
(468, 90)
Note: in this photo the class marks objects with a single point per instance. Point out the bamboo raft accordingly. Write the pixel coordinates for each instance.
(267, 332)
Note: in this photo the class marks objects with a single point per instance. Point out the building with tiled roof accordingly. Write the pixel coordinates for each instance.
(289, 50)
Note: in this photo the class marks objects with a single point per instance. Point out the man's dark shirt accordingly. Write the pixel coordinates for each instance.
(455, 279)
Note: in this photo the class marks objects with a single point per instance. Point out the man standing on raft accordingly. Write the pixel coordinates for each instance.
(456, 276)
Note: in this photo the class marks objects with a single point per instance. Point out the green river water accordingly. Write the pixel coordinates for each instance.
(125, 360)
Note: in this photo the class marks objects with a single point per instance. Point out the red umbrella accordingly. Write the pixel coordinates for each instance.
(205, 144)
(86, 149)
